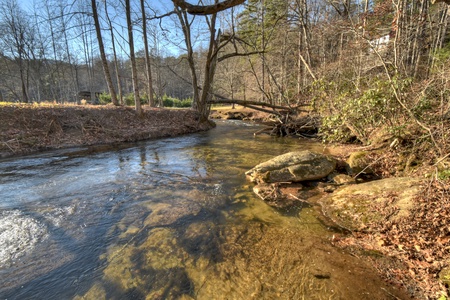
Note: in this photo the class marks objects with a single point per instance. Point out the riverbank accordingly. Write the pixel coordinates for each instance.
(412, 254)
(30, 128)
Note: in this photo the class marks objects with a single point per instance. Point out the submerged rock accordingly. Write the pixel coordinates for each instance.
(356, 206)
(293, 167)
(274, 196)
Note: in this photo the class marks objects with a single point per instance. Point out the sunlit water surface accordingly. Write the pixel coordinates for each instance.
(166, 219)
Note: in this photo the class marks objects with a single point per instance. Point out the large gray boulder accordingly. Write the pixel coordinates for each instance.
(357, 206)
(293, 167)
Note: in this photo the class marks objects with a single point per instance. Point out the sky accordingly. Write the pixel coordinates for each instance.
(168, 48)
(170, 39)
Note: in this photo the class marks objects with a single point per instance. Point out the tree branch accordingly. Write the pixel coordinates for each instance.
(206, 9)
(235, 54)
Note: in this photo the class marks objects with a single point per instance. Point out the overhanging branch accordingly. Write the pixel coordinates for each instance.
(206, 9)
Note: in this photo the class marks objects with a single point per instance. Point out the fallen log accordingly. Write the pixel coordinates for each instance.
(246, 103)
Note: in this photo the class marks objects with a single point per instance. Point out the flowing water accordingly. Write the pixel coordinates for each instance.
(166, 219)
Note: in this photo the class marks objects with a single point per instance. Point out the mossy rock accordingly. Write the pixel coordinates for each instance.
(359, 162)
(293, 167)
(357, 206)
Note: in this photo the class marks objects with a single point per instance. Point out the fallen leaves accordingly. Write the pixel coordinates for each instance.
(420, 242)
(28, 128)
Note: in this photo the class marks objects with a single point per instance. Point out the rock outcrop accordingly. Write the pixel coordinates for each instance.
(356, 206)
(293, 167)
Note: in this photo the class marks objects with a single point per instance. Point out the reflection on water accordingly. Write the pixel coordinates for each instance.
(166, 219)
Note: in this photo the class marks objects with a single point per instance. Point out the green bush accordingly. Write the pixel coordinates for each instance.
(174, 102)
(362, 111)
(186, 103)
(129, 100)
(104, 98)
(167, 101)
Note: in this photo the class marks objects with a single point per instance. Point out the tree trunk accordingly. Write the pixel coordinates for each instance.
(210, 69)
(185, 26)
(116, 62)
(106, 72)
(148, 68)
(137, 98)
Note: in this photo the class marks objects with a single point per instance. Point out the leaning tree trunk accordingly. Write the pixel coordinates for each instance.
(185, 26)
(210, 70)
(101, 47)
(182, 8)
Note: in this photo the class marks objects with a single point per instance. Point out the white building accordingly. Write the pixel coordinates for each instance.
(380, 43)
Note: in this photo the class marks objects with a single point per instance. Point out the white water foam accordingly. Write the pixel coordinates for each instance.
(19, 234)
(59, 214)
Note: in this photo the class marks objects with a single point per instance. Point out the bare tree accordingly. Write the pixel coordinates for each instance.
(15, 35)
(202, 95)
(137, 98)
(83, 32)
(116, 62)
(101, 47)
(148, 68)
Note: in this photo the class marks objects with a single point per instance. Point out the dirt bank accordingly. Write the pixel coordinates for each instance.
(30, 128)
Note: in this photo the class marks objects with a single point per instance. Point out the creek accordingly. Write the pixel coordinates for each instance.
(172, 218)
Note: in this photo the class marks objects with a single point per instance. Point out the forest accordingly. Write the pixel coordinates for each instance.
(357, 63)
(376, 73)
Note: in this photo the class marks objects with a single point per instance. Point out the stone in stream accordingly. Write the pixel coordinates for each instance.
(274, 196)
(293, 167)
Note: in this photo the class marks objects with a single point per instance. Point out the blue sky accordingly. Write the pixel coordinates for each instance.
(170, 41)
(162, 6)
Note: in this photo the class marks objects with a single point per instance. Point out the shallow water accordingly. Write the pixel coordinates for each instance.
(166, 219)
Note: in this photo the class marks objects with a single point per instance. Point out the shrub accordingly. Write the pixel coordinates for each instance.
(360, 113)
(186, 103)
(167, 101)
(129, 100)
(174, 102)
(104, 98)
